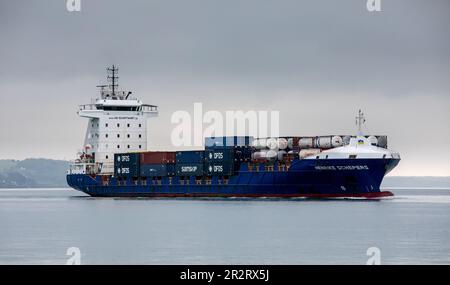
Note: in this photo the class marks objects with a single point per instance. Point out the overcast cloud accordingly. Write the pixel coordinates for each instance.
(317, 62)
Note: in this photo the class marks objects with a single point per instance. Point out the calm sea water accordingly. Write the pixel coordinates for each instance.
(38, 226)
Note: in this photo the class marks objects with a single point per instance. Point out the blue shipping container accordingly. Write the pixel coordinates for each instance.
(219, 168)
(214, 142)
(189, 169)
(126, 170)
(126, 164)
(230, 141)
(219, 154)
(151, 170)
(190, 156)
(243, 141)
(126, 158)
(243, 154)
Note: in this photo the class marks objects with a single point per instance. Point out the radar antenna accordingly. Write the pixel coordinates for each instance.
(360, 120)
(102, 89)
(113, 78)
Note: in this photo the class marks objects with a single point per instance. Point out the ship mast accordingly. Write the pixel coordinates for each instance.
(113, 78)
(360, 120)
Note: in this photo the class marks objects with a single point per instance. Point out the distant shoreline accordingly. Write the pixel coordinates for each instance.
(41, 173)
(37, 189)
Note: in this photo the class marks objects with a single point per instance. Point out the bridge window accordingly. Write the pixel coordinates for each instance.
(119, 108)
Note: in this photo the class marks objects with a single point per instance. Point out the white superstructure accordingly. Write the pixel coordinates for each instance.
(359, 147)
(117, 123)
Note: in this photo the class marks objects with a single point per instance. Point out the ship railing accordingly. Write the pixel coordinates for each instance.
(144, 108)
(84, 168)
(87, 107)
(119, 98)
(149, 108)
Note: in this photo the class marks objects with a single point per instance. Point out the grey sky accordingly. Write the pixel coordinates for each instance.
(316, 62)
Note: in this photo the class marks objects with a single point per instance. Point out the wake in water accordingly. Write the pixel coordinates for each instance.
(55, 195)
(441, 199)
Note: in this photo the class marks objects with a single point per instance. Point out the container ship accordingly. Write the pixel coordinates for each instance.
(114, 161)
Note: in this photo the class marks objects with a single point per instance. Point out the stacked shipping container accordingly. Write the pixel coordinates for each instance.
(222, 156)
(157, 163)
(235, 141)
(219, 161)
(189, 163)
(126, 165)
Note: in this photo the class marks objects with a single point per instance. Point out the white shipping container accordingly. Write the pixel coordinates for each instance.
(271, 154)
(260, 143)
(290, 143)
(305, 143)
(308, 152)
(372, 140)
(282, 143)
(281, 154)
(259, 154)
(336, 141)
(346, 140)
(323, 142)
(272, 143)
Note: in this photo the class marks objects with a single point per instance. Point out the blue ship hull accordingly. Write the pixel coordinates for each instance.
(321, 178)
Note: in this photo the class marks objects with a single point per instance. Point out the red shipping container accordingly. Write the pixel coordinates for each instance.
(158, 157)
(259, 160)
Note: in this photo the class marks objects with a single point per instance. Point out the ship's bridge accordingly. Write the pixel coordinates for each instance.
(106, 103)
(117, 123)
(116, 105)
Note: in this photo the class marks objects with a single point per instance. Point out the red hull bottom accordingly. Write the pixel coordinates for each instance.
(372, 195)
